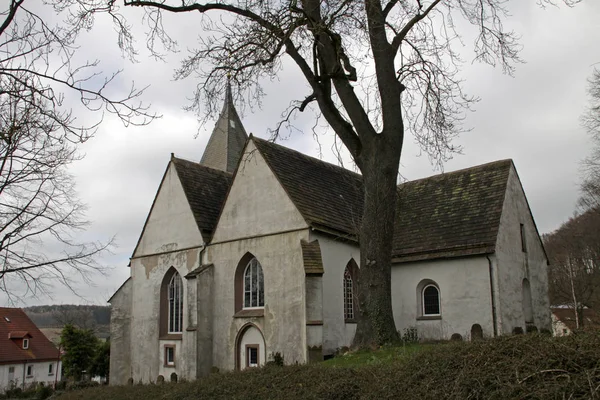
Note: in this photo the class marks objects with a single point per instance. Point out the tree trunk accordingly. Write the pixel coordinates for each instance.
(575, 303)
(379, 167)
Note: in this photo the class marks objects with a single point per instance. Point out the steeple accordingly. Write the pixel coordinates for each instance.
(227, 140)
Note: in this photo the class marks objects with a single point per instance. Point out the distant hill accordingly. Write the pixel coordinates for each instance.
(96, 318)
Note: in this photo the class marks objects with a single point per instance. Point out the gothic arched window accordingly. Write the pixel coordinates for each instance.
(254, 285)
(175, 293)
(348, 295)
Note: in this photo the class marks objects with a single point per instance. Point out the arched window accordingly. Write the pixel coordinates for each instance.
(254, 285)
(349, 282)
(171, 305)
(175, 291)
(431, 300)
(348, 295)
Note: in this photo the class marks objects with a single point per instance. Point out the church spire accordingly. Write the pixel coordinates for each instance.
(227, 140)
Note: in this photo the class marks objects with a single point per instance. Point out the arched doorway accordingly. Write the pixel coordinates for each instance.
(250, 348)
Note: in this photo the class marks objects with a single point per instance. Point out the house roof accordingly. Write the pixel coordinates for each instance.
(205, 189)
(447, 215)
(567, 317)
(15, 325)
(227, 141)
(18, 334)
(456, 212)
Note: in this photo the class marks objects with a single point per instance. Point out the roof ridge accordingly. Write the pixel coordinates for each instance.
(229, 174)
(458, 171)
(308, 157)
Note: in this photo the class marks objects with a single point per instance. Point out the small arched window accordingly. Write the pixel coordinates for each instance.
(175, 293)
(431, 300)
(254, 285)
(348, 295)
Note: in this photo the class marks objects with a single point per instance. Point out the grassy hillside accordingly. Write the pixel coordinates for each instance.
(516, 367)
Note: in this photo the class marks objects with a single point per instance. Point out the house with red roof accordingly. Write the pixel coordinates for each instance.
(26, 355)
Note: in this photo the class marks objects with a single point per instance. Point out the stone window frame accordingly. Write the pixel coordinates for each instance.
(168, 347)
(239, 289)
(437, 301)
(421, 287)
(164, 311)
(258, 284)
(254, 347)
(350, 305)
(29, 373)
(25, 343)
(51, 369)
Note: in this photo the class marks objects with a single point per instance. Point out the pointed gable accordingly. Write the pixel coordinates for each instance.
(186, 207)
(227, 141)
(326, 195)
(256, 204)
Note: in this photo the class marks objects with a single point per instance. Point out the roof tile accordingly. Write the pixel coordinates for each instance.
(14, 322)
(447, 215)
(205, 189)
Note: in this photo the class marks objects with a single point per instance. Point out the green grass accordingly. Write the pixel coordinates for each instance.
(383, 355)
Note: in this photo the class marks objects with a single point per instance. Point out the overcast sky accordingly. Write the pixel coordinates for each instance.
(532, 118)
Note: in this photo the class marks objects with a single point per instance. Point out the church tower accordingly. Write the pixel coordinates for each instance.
(227, 141)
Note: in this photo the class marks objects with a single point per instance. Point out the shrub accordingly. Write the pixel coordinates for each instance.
(410, 335)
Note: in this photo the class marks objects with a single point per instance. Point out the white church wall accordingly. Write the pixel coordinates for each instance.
(120, 334)
(514, 264)
(170, 219)
(465, 296)
(283, 322)
(335, 254)
(257, 204)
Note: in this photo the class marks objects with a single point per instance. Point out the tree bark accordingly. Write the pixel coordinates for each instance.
(379, 165)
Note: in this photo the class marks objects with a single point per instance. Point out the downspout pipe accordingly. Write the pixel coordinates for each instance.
(492, 296)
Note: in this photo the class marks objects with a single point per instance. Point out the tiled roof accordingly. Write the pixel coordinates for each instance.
(15, 321)
(311, 254)
(447, 215)
(326, 195)
(18, 334)
(453, 212)
(227, 141)
(567, 317)
(205, 189)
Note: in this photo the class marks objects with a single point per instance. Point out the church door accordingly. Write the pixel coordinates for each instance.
(250, 348)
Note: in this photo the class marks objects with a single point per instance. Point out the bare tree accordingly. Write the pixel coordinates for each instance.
(80, 317)
(40, 214)
(590, 188)
(375, 69)
(574, 255)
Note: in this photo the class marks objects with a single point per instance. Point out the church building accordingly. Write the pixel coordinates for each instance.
(253, 252)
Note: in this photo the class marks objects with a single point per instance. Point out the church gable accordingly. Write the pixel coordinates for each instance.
(257, 204)
(170, 224)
